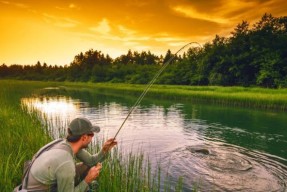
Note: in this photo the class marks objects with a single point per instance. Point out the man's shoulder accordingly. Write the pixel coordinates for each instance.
(63, 145)
(52, 160)
(55, 157)
(59, 149)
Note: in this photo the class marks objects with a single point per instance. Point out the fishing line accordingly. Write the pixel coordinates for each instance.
(150, 84)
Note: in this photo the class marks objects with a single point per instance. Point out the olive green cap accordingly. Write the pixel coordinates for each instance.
(81, 126)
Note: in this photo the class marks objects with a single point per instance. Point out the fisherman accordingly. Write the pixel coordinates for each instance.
(56, 170)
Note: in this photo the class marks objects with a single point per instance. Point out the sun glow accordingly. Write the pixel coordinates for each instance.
(54, 32)
(50, 107)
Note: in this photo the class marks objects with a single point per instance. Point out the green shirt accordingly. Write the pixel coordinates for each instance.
(57, 167)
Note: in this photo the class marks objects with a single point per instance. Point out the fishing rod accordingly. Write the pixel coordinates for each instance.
(150, 84)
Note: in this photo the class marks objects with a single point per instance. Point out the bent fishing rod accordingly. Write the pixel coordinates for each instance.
(150, 84)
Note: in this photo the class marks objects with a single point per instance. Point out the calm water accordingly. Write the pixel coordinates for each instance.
(216, 148)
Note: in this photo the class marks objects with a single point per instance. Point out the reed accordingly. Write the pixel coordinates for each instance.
(23, 133)
(127, 171)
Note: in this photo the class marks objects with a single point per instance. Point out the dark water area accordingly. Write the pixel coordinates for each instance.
(214, 148)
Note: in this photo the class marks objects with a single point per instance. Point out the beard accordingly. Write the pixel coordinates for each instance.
(85, 146)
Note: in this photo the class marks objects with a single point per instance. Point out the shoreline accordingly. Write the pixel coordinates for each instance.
(250, 97)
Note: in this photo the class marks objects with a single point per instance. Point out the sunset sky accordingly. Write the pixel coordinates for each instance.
(55, 31)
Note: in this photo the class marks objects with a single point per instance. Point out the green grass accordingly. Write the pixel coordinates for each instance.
(252, 97)
(22, 133)
(133, 172)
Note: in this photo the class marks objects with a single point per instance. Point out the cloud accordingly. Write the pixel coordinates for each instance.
(103, 27)
(125, 30)
(193, 13)
(141, 47)
(72, 6)
(236, 8)
(61, 8)
(67, 7)
(19, 5)
(177, 44)
(131, 43)
(167, 39)
(116, 26)
(5, 2)
(64, 22)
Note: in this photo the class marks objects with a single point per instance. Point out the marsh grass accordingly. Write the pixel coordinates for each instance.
(24, 131)
(21, 132)
(130, 171)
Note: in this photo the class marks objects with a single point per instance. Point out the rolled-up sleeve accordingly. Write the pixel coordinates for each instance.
(89, 159)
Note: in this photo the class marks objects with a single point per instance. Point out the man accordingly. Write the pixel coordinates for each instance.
(55, 169)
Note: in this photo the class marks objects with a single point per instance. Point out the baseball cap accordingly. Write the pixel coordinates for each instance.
(81, 126)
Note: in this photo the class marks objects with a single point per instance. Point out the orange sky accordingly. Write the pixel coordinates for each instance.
(55, 31)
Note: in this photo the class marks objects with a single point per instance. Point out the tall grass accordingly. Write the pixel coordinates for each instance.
(23, 133)
(126, 171)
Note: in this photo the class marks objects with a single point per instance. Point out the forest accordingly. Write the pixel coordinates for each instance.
(250, 56)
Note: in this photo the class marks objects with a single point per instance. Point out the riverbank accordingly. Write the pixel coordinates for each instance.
(252, 97)
(23, 133)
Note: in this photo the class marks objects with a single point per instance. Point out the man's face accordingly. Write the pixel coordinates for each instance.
(86, 139)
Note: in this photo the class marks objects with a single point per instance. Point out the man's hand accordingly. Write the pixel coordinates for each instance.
(93, 173)
(109, 144)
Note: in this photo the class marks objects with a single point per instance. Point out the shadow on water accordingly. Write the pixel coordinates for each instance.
(215, 148)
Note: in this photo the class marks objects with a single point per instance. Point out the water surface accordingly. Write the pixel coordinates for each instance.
(213, 147)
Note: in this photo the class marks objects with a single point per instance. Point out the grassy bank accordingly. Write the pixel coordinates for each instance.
(252, 97)
(22, 134)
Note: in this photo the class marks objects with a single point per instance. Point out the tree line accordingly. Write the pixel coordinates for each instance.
(251, 56)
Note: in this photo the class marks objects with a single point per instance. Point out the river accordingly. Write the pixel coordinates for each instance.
(217, 148)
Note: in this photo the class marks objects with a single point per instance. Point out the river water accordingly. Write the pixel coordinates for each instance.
(214, 147)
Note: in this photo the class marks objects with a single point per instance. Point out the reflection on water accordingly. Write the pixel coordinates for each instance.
(54, 107)
(216, 148)
(57, 110)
